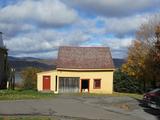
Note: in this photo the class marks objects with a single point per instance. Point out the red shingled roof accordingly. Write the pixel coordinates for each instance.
(85, 58)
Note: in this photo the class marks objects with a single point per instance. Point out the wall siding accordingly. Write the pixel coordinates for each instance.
(105, 76)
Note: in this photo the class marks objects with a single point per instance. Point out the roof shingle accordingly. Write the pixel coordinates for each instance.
(85, 58)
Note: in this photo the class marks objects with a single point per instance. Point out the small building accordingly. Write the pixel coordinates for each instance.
(79, 69)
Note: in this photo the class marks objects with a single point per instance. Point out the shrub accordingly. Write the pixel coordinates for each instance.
(125, 83)
(29, 76)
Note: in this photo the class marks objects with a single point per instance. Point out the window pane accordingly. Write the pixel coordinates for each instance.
(97, 83)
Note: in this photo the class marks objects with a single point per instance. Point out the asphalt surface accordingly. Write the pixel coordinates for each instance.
(67, 107)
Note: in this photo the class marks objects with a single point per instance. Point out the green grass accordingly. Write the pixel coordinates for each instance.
(33, 94)
(26, 118)
(23, 94)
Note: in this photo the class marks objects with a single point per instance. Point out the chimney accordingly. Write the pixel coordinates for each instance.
(1, 41)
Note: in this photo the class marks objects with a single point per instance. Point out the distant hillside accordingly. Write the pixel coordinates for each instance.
(118, 62)
(21, 63)
(45, 64)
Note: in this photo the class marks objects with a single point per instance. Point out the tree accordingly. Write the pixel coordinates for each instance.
(142, 62)
(125, 83)
(149, 35)
(135, 62)
(29, 76)
(153, 60)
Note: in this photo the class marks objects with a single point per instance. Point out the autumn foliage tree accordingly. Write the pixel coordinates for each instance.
(153, 60)
(135, 65)
(29, 76)
(143, 60)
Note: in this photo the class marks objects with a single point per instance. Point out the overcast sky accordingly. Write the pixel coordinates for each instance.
(36, 28)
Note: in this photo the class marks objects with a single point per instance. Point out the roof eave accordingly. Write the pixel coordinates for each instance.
(71, 69)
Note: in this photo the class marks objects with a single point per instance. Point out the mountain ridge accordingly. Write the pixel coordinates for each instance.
(20, 63)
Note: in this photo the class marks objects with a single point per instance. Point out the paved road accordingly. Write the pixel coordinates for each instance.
(70, 107)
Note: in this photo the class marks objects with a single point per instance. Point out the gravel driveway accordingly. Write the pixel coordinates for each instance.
(82, 108)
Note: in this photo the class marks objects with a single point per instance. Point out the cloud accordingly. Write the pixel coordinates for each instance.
(42, 12)
(85, 32)
(119, 46)
(117, 43)
(125, 26)
(119, 27)
(12, 29)
(44, 41)
(113, 8)
(37, 28)
(46, 44)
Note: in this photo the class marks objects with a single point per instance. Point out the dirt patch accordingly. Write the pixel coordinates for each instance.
(123, 106)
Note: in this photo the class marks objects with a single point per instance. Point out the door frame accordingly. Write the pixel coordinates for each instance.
(88, 84)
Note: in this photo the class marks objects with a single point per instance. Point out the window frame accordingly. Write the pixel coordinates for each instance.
(94, 84)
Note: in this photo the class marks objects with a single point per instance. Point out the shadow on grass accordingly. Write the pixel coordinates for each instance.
(149, 110)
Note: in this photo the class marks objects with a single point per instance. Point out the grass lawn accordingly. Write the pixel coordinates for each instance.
(23, 94)
(33, 94)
